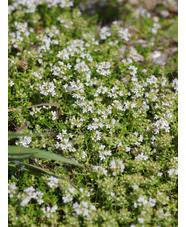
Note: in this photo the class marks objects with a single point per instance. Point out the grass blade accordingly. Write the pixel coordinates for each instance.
(37, 169)
(55, 157)
(40, 154)
(13, 150)
(14, 156)
(12, 135)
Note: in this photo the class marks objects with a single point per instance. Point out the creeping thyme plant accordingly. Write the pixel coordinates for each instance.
(112, 68)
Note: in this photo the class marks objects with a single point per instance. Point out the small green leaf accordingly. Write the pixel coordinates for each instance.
(12, 167)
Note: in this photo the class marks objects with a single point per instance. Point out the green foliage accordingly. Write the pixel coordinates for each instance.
(111, 66)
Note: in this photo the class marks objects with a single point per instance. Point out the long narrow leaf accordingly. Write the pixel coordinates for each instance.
(13, 150)
(12, 135)
(28, 107)
(41, 154)
(14, 156)
(55, 157)
(36, 169)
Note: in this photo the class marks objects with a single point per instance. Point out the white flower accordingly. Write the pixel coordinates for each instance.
(135, 187)
(92, 207)
(36, 75)
(112, 194)
(83, 208)
(54, 208)
(119, 144)
(54, 115)
(156, 26)
(35, 111)
(25, 141)
(142, 200)
(53, 182)
(144, 71)
(28, 194)
(134, 70)
(100, 169)
(117, 166)
(128, 149)
(173, 171)
(152, 202)
(40, 201)
(46, 88)
(16, 163)
(103, 68)
(154, 31)
(141, 220)
(22, 167)
(12, 190)
(105, 32)
(11, 83)
(29, 190)
(25, 201)
(84, 154)
(152, 80)
(141, 138)
(161, 124)
(71, 190)
(141, 157)
(175, 84)
(82, 67)
(124, 34)
(48, 210)
(67, 198)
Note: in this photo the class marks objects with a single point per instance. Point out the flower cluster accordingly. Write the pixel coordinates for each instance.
(35, 111)
(53, 182)
(65, 143)
(12, 190)
(100, 169)
(143, 201)
(172, 171)
(46, 88)
(31, 5)
(103, 153)
(24, 141)
(124, 34)
(141, 157)
(69, 195)
(28, 194)
(117, 166)
(105, 32)
(103, 68)
(54, 113)
(84, 208)
(160, 125)
(49, 210)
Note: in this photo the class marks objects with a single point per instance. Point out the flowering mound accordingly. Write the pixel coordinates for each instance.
(116, 84)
